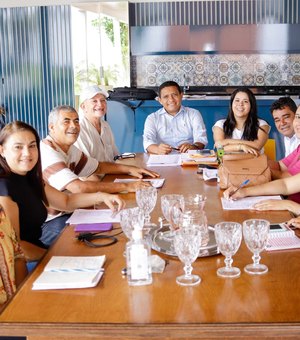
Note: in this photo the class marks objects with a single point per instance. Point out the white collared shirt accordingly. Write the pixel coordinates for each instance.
(290, 144)
(99, 146)
(187, 126)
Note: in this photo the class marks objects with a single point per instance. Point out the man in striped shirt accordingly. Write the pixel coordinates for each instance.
(67, 168)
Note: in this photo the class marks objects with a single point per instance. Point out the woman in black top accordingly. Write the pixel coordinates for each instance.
(23, 193)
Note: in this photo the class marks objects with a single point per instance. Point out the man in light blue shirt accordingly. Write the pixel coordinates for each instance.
(173, 127)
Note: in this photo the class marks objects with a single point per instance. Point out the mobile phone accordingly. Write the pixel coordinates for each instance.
(279, 227)
(275, 227)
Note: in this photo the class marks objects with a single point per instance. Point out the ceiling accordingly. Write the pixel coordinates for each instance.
(118, 10)
(27, 3)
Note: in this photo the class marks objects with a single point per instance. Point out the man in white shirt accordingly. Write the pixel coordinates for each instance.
(63, 164)
(96, 138)
(283, 112)
(173, 127)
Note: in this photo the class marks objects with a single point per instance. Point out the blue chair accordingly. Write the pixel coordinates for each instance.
(122, 120)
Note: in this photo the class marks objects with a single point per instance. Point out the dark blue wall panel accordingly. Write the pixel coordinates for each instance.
(35, 62)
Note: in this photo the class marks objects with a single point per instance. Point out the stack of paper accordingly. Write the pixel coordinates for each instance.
(155, 182)
(164, 160)
(209, 174)
(64, 272)
(279, 240)
(93, 216)
(195, 158)
(245, 203)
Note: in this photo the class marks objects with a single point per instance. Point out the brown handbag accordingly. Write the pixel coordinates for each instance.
(236, 168)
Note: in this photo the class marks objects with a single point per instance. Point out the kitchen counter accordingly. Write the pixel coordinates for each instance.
(267, 91)
(227, 97)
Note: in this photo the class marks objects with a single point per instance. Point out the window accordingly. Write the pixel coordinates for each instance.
(100, 44)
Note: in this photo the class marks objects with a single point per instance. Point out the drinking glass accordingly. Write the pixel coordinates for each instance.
(167, 201)
(228, 237)
(195, 219)
(168, 205)
(146, 199)
(187, 243)
(193, 206)
(194, 201)
(255, 233)
(131, 218)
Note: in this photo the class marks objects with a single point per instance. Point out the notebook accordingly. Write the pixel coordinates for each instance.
(282, 237)
(93, 227)
(65, 272)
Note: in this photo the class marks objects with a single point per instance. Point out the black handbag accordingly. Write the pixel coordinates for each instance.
(131, 93)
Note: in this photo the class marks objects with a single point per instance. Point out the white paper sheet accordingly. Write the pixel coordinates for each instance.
(164, 160)
(93, 216)
(155, 182)
(245, 203)
(209, 174)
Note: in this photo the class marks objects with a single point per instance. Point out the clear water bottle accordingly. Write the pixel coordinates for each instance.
(138, 260)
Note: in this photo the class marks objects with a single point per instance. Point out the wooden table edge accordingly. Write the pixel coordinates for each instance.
(151, 331)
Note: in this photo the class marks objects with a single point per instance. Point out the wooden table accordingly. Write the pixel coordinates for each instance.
(249, 306)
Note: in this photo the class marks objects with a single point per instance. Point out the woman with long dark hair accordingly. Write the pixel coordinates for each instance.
(25, 196)
(242, 130)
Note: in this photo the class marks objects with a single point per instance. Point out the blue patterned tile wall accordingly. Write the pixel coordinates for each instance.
(217, 70)
(279, 68)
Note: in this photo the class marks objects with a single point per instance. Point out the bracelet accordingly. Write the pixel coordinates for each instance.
(195, 146)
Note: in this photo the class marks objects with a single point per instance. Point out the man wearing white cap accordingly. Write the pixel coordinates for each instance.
(96, 138)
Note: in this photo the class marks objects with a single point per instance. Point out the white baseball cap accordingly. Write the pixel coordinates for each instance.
(90, 91)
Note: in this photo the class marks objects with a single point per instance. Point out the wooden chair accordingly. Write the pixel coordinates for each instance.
(270, 149)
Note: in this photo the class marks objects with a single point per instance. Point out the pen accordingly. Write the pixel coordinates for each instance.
(174, 148)
(239, 187)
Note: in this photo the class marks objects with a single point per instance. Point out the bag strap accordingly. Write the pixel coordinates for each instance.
(235, 156)
(127, 103)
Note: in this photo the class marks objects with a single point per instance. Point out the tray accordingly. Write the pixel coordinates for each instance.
(162, 243)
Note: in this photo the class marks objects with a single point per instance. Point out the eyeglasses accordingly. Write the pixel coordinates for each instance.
(125, 155)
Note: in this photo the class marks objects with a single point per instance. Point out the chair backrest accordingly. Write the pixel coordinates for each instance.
(270, 149)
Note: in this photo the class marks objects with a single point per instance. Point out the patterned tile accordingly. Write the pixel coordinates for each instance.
(215, 70)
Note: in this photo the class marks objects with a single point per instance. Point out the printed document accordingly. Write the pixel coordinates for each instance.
(93, 216)
(155, 182)
(245, 203)
(164, 160)
(209, 174)
(281, 239)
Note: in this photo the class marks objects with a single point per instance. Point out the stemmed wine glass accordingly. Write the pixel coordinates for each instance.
(130, 219)
(187, 243)
(228, 237)
(146, 199)
(255, 233)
